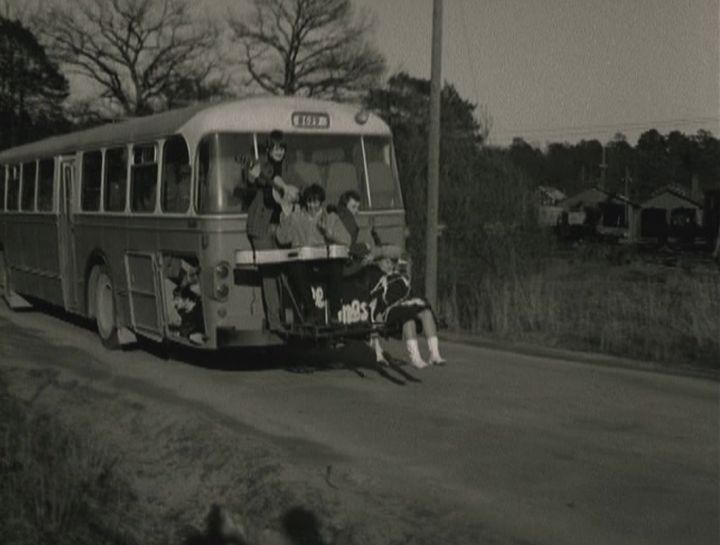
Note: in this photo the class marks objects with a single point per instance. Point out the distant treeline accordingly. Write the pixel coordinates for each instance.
(655, 161)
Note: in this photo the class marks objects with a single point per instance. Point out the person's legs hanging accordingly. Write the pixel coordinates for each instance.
(430, 330)
(270, 284)
(299, 276)
(410, 336)
(334, 287)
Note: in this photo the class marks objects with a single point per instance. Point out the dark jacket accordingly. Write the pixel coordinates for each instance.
(263, 210)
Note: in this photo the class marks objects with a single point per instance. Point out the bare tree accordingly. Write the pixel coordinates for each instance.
(308, 47)
(21, 10)
(141, 54)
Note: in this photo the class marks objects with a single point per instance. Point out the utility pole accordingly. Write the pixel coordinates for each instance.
(603, 168)
(431, 243)
(630, 227)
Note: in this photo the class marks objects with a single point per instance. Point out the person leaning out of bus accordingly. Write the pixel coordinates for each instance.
(402, 310)
(310, 224)
(264, 214)
(364, 250)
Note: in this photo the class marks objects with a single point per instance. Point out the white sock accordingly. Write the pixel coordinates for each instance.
(379, 354)
(434, 348)
(414, 353)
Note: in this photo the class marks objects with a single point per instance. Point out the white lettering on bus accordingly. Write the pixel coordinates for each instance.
(318, 296)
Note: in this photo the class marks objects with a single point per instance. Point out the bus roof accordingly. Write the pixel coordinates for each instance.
(256, 114)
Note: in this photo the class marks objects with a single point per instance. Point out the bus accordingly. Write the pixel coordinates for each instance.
(112, 223)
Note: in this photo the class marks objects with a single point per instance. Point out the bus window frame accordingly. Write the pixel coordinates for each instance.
(195, 180)
(126, 207)
(81, 181)
(131, 164)
(395, 173)
(190, 210)
(11, 169)
(368, 193)
(21, 208)
(3, 173)
(52, 209)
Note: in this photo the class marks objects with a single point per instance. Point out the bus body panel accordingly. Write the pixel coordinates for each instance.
(30, 247)
(52, 255)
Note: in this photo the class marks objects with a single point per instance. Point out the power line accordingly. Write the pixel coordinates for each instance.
(580, 129)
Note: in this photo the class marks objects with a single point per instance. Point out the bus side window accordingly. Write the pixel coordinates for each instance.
(45, 185)
(115, 179)
(3, 176)
(175, 175)
(91, 174)
(13, 187)
(203, 160)
(28, 186)
(143, 178)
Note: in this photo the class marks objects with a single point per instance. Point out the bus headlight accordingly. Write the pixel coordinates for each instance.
(222, 270)
(221, 290)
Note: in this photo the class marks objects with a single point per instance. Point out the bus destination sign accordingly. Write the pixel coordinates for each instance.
(311, 120)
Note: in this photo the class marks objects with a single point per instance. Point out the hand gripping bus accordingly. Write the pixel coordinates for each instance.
(141, 225)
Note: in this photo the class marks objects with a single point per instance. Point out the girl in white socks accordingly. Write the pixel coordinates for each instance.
(399, 308)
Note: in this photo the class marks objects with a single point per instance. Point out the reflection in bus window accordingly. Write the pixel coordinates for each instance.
(143, 178)
(175, 175)
(3, 174)
(333, 161)
(28, 186)
(383, 186)
(91, 173)
(222, 178)
(13, 187)
(45, 185)
(115, 179)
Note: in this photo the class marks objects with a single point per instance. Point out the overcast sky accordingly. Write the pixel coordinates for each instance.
(562, 70)
(554, 70)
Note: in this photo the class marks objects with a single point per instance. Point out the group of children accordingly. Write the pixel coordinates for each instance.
(281, 215)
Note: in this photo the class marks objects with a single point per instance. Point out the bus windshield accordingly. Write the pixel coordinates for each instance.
(336, 162)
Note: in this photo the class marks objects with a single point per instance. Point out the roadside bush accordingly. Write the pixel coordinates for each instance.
(57, 486)
(642, 312)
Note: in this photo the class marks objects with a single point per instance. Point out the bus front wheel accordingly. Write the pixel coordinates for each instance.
(105, 308)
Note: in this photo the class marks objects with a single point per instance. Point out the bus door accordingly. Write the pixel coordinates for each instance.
(66, 233)
(146, 310)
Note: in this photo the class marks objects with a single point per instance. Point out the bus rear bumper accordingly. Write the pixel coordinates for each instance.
(230, 337)
(333, 332)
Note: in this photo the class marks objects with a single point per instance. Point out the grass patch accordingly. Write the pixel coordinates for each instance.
(57, 486)
(639, 310)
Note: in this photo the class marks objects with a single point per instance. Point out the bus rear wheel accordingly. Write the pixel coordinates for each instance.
(105, 308)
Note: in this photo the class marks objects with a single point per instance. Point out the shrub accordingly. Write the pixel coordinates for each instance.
(57, 486)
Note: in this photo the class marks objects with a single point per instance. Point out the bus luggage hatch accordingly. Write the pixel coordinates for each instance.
(143, 293)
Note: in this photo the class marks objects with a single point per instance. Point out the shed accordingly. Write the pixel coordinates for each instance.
(668, 208)
(548, 199)
(610, 213)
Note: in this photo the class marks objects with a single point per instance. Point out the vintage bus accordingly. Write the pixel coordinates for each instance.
(110, 222)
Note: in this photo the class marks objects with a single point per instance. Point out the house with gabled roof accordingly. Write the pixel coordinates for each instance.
(670, 208)
(610, 213)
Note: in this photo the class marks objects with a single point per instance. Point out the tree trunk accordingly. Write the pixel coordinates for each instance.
(716, 252)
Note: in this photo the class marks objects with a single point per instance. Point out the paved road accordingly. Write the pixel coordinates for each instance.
(531, 449)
